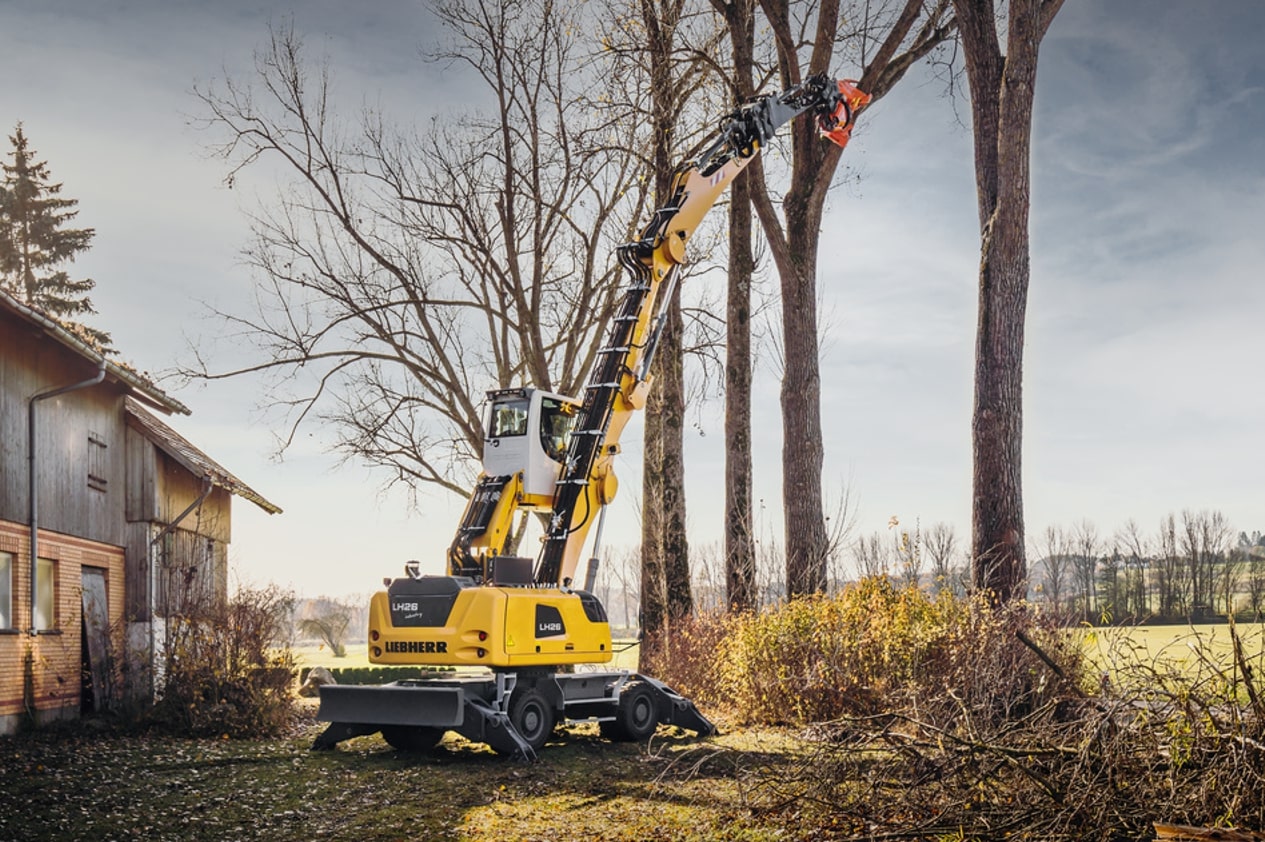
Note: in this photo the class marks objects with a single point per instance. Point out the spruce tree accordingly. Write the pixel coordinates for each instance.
(35, 243)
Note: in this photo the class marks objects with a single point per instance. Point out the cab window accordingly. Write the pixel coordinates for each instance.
(557, 420)
(508, 418)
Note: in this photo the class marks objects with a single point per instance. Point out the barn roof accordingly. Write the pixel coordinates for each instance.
(137, 384)
(193, 460)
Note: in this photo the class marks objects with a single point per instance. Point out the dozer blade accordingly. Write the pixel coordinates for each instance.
(356, 711)
(393, 704)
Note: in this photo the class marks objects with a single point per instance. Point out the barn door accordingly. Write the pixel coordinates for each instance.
(96, 630)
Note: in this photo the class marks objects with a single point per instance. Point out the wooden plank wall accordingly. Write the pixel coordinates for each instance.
(159, 491)
(30, 364)
(176, 489)
(141, 494)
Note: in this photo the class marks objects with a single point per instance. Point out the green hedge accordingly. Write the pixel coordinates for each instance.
(377, 675)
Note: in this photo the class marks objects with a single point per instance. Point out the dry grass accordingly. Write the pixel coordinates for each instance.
(89, 783)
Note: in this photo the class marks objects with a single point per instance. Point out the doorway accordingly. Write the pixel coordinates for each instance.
(95, 638)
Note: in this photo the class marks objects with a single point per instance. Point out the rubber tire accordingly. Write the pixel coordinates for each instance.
(533, 717)
(412, 738)
(636, 718)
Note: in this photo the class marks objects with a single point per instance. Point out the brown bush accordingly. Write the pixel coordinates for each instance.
(690, 664)
(223, 670)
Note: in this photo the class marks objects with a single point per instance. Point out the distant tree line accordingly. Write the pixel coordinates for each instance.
(1194, 567)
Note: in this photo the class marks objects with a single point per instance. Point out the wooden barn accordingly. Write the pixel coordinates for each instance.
(110, 522)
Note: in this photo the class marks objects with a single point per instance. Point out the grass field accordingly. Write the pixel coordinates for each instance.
(1172, 648)
(1175, 645)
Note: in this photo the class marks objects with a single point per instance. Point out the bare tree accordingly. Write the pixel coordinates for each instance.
(649, 41)
(740, 563)
(909, 552)
(401, 276)
(328, 621)
(709, 580)
(1055, 561)
(1085, 545)
(1002, 89)
(1136, 551)
(1205, 537)
(1234, 568)
(840, 525)
(942, 550)
(1108, 590)
(619, 587)
(1256, 584)
(1171, 585)
(872, 555)
(887, 38)
(1231, 564)
(1253, 548)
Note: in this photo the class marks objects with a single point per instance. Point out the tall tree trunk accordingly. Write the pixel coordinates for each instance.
(674, 545)
(802, 447)
(795, 255)
(740, 578)
(1002, 89)
(665, 572)
(653, 617)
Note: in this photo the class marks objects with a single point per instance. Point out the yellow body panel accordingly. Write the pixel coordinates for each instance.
(494, 627)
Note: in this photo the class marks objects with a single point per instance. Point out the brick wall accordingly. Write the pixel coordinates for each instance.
(51, 658)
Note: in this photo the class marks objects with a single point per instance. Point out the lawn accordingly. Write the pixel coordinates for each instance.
(1178, 647)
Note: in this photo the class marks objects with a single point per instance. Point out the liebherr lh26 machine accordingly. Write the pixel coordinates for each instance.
(526, 625)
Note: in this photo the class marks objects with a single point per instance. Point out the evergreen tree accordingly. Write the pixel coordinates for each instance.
(35, 244)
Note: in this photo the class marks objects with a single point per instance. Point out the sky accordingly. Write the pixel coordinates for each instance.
(1144, 342)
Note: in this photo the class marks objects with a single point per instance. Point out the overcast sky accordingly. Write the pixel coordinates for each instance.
(1143, 385)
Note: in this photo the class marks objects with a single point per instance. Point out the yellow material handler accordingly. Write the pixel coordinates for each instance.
(519, 627)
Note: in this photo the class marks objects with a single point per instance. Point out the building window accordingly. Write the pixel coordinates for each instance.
(98, 477)
(45, 594)
(6, 590)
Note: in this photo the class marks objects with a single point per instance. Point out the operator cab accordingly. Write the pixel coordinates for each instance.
(528, 430)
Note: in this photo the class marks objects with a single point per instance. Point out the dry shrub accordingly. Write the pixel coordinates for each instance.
(223, 671)
(821, 658)
(689, 664)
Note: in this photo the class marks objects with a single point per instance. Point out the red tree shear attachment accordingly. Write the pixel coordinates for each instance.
(837, 125)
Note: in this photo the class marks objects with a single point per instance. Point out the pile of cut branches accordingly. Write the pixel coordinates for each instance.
(1055, 762)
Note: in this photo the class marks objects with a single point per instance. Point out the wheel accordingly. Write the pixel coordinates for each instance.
(412, 738)
(636, 718)
(532, 716)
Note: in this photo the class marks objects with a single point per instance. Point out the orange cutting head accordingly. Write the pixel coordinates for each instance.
(837, 125)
